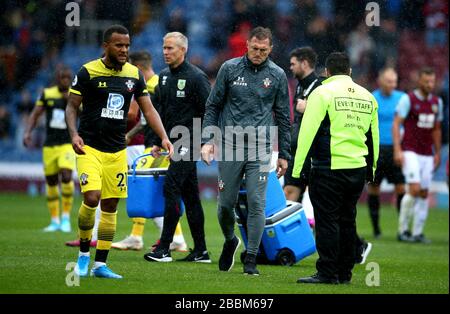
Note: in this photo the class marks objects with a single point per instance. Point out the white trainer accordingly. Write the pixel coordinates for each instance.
(129, 243)
(178, 247)
(367, 247)
(52, 227)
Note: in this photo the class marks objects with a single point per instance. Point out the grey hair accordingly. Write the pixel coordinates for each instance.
(181, 40)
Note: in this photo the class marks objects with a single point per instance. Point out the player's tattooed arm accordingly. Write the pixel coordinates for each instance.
(73, 105)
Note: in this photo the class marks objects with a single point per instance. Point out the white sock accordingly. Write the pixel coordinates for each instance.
(84, 254)
(97, 220)
(178, 238)
(139, 238)
(65, 216)
(98, 264)
(420, 215)
(406, 209)
(56, 220)
(159, 222)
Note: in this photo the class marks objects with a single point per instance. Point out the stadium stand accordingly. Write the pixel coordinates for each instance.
(33, 44)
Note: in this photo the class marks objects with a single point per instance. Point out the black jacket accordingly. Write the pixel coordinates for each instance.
(305, 87)
(181, 97)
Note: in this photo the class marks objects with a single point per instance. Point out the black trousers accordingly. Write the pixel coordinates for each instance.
(181, 182)
(334, 194)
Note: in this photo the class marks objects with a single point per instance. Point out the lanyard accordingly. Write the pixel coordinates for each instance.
(306, 92)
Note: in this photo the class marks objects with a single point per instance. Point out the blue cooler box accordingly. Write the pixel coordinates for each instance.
(275, 198)
(145, 192)
(287, 236)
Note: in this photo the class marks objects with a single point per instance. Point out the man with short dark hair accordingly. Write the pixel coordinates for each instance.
(251, 92)
(418, 152)
(340, 131)
(58, 155)
(143, 61)
(105, 86)
(303, 62)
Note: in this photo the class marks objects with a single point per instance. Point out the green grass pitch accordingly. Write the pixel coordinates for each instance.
(32, 261)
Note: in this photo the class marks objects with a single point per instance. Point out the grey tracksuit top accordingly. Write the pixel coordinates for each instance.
(248, 95)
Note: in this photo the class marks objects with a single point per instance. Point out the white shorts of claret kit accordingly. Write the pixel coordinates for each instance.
(418, 169)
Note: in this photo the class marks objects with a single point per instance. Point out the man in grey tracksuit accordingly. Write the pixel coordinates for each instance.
(250, 96)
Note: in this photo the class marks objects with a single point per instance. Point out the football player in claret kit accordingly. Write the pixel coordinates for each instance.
(420, 112)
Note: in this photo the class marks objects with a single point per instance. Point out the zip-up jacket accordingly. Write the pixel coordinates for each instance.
(340, 126)
(181, 97)
(304, 88)
(248, 95)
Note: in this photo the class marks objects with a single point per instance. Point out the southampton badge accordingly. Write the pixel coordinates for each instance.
(83, 179)
(130, 85)
(75, 80)
(221, 185)
(267, 82)
(181, 84)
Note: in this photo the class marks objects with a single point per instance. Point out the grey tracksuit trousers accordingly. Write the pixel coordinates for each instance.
(230, 178)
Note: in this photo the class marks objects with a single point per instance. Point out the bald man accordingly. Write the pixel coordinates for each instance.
(387, 97)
